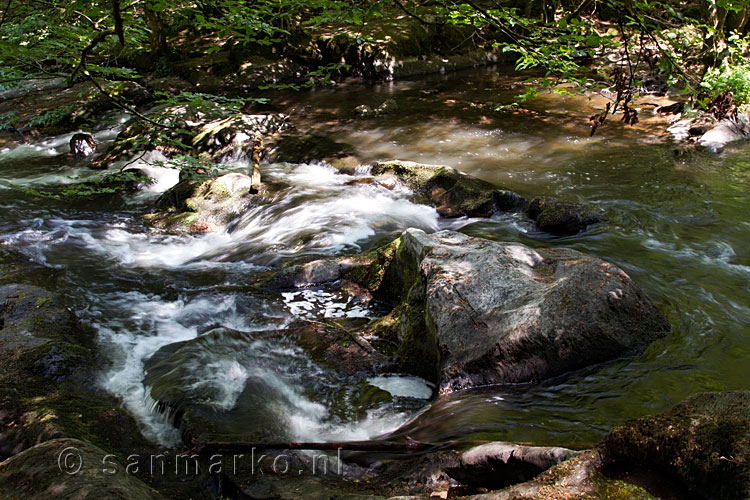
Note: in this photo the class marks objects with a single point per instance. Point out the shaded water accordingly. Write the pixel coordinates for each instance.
(678, 225)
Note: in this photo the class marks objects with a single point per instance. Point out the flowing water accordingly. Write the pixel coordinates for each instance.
(678, 224)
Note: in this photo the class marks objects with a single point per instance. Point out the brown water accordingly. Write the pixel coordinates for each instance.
(679, 225)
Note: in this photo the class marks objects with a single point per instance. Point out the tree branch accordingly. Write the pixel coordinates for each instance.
(410, 446)
(116, 100)
(500, 25)
(86, 51)
(408, 13)
(5, 13)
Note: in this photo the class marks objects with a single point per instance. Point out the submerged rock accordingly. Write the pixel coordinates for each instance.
(561, 218)
(70, 469)
(228, 385)
(473, 312)
(703, 442)
(388, 106)
(201, 207)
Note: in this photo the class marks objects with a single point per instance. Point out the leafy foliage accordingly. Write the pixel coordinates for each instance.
(733, 75)
(105, 184)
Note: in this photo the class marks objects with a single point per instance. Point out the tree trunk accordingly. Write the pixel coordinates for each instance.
(158, 39)
(738, 21)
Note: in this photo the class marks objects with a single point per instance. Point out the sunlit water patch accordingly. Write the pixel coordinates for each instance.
(313, 304)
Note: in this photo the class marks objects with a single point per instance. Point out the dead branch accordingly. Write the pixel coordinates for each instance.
(410, 446)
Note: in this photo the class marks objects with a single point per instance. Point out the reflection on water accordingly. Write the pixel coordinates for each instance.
(677, 224)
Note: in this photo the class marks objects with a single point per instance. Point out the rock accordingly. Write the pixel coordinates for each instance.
(498, 465)
(82, 145)
(208, 206)
(39, 473)
(387, 107)
(704, 442)
(219, 136)
(573, 478)
(46, 369)
(35, 326)
(473, 312)
(363, 110)
(670, 109)
(726, 131)
(452, 193)
(18, 268)
(313, 273)
(227, 385)
(561, 218)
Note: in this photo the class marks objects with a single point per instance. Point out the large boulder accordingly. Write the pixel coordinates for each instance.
(703, 442)
(473, 312)
(70, 469)
(204, 206)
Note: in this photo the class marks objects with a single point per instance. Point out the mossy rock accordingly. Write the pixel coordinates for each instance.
(199, 207)
(47, 363)
(50, 470)
(17, 268)
(39, 334)
(704, 442)
(452, 193)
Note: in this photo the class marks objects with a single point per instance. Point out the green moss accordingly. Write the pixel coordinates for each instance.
(393, 277)
(42, 301)
(371, 275)
(704, 442)
(611, 489)
(419, 350)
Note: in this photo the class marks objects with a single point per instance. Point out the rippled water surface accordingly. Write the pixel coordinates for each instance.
(679, 224)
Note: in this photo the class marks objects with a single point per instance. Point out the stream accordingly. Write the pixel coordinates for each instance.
(678, 224)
